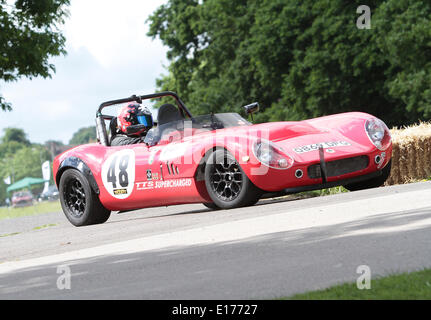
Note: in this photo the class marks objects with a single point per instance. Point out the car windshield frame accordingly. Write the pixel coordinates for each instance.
(203, 123)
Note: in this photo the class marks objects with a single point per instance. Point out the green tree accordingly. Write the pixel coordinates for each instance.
(299, 59)
(28, 161)
(19, 158)
(16, 135)
(29, 36)
(83, 136)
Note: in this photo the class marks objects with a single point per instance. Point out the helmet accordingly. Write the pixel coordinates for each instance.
(134, 120)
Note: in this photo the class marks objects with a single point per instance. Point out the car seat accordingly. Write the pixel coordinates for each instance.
(168, 113)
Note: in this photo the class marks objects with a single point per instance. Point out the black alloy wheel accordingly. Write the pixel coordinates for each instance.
(80, 204)
(227, 184)
(226, 179)
(74, 197)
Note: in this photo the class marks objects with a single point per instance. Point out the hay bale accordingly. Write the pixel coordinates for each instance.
(411, 156)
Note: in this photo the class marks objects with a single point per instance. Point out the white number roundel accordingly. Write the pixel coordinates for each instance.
(118, 174)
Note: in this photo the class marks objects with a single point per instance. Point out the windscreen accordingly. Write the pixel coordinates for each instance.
(195, 125)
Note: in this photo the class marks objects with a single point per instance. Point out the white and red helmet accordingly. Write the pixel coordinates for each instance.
(134, 120)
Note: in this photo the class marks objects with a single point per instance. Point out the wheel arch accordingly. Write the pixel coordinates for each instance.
(249, 194)
(81, 166)
(200, 170)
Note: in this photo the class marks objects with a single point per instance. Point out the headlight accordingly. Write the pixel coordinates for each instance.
(378, 133)
(271, 156)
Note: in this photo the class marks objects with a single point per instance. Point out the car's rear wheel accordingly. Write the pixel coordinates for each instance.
(371, 183)
(80, 203)
(227, 184)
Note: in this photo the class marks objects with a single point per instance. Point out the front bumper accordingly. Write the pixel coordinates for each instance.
(332, 184)
(328, 171)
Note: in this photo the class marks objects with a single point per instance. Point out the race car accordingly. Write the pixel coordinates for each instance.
(220, 160)
(22, 199)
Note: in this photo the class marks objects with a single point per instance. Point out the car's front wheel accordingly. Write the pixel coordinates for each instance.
(227, 184)
(80, 203)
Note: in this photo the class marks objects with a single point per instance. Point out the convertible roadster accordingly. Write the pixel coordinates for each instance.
(221, 160)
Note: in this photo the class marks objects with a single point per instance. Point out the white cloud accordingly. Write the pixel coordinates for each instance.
(113, 31)
(55, 110)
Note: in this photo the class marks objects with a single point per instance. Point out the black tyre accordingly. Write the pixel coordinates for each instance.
(211, 205)
(80, 203)
(227, 184)
(371, 183)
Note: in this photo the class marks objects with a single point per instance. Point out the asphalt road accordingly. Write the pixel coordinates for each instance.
(273, 249)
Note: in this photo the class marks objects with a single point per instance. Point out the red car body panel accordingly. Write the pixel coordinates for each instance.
(168, 173)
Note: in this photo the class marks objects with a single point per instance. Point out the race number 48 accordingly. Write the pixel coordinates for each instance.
(118, 174)
(123, 176)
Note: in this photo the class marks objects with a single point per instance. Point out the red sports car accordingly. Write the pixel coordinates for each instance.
(22, 199)
(221, 160)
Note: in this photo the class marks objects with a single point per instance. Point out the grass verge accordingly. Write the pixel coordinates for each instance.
(9, 234)
(38, 208)
(405, 286)
(320, 193)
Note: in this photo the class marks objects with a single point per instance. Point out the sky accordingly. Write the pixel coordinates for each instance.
(109, 56)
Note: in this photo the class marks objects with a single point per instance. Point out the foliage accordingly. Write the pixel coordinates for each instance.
(83, 136)
(15, 135)
(29, 36)
(19, 158)
(298, 59)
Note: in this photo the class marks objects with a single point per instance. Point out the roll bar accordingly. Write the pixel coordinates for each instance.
(139, 99)
(100, 123)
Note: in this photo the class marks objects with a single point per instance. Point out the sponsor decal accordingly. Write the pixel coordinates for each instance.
(174, 183)
(120, 191)
(152, 176)
(147, 185)
(325, 145)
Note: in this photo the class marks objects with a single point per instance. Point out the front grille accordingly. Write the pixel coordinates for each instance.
(339, 167)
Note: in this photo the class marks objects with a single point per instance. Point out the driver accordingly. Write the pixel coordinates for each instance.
(133, 123)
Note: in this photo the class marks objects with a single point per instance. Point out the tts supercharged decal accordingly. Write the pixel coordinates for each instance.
(174, 183)
(325, 145)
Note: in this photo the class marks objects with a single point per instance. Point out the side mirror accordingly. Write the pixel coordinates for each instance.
(251, 108)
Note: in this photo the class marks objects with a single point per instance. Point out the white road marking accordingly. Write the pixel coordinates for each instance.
(242, 229)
